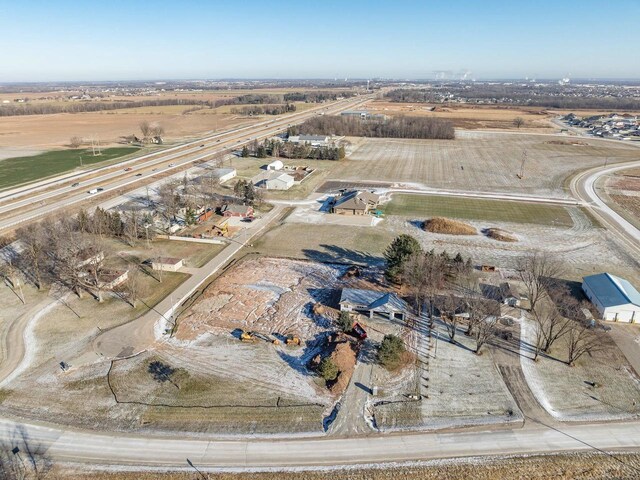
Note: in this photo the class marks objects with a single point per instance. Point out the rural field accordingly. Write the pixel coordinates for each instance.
(478, 209)
(622, 190)
(536, 119)
(19, 170)
(478, 161)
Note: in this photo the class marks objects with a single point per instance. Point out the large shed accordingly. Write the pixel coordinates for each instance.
(614, 297)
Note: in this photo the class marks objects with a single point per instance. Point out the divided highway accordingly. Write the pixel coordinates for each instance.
(18, 212)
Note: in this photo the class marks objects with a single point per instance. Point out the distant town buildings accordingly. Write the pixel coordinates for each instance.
(622, 126)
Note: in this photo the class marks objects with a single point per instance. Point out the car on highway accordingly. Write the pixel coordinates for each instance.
(128, 169)
(172, 164)
(138, 174)
(93, 191)
(202, 145)
(76, 184)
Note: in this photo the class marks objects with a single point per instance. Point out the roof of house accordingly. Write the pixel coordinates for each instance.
(357, 200)
(167, 260)
(611, 290)
(276, 164)
(235, 208)
(221, 172)
(372, 300)
(284, 177)
(313, 138)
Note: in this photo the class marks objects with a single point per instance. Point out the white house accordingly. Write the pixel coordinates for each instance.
(275, 165)
(614, 297)
(224, 174)
(281, 182)
(167, 264)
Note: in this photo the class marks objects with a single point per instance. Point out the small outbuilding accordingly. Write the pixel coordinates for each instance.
(167, 264)
(614, 297)
(275, 165)
(225, 174)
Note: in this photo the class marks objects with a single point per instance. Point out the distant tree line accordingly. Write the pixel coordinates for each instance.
(549, 97)
(78, 107)
(396, 127)
(316, 97)
(264, 109)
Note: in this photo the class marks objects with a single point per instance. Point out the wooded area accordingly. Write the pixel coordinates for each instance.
(396, 127)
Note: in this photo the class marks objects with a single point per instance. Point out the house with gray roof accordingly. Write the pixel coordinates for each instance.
(355, 203)
(614, 297)
(370, 303)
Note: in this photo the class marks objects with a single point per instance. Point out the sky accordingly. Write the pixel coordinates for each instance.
(58, 40)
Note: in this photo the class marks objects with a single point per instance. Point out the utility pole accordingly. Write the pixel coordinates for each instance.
(524, 159)
(81, 160)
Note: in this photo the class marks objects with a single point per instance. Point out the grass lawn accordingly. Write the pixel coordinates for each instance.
(478, 209)
(325, 243)
(18, 170)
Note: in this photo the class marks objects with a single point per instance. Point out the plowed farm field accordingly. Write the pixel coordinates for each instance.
(478, 161)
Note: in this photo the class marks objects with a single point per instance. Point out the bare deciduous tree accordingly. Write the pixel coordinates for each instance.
(539, 273)
(145, 128)
(447, 305)
(580, 340)
(34, 242)
(75, 142)
(485, 328)
(518, 122)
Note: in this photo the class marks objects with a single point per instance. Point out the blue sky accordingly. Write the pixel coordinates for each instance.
(122, 40)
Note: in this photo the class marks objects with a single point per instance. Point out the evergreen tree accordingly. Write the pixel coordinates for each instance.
(397, 253)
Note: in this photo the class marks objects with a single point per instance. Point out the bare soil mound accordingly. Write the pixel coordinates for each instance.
(448, 226)
(500, 235)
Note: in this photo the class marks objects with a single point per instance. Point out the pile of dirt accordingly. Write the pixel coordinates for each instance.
(342, 349)
(500, 235)
(448, 226)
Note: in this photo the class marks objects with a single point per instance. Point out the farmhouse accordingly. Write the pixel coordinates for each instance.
(89, 256)
(614, 297)
(280, 182)
(232, 210)
(275, 165)
(355, 203)
(370, 303)
(167, 264)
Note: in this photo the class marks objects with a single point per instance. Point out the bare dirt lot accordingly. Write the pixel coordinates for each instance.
(477, 161)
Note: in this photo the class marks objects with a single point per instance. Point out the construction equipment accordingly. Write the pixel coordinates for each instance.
(293, 340)
(247, 337)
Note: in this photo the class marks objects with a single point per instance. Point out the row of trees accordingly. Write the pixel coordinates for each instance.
(59, 252)
(264, 109)
(395, 127)
(78, 107)
(276, 148)
(450, 286)
(551, 96)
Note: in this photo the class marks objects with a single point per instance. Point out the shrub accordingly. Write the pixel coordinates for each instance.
(328, 370)
(391, 351)
(344, 322)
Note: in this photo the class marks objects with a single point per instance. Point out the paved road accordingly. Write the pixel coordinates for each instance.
(583, 187)
(140, 334)
(67, 445)
(46, 203)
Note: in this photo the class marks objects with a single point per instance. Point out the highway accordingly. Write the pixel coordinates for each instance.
(17, 211)
(146, 450)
